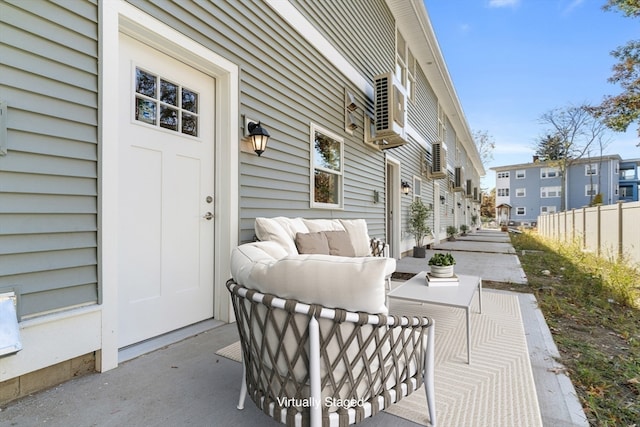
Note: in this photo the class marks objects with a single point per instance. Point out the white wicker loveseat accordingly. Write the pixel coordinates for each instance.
(318, 344)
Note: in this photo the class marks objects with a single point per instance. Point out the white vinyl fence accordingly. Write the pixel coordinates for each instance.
(609, 230)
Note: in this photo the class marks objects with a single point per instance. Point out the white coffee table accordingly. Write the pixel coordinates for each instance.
(460, 296)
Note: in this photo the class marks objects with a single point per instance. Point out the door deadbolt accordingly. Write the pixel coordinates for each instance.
(209, 199)
(208, 216)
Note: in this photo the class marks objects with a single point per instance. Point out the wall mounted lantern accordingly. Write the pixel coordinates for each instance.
(442, 199)
(259, 137)
(405, 187)
(459, 204)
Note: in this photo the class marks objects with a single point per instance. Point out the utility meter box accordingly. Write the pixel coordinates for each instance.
(9, 330)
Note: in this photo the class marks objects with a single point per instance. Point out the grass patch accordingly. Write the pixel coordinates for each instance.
(592, 306)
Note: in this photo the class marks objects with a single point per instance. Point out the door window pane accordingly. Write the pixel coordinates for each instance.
(172, 107)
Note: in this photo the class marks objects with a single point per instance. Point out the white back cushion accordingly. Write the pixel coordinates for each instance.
(281, 230)
(359, 235)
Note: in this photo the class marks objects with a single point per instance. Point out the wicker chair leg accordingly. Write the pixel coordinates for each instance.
(314, 373)
(428, 378)
(243, 387)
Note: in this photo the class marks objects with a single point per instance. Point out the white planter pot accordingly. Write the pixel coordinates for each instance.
(438, 271)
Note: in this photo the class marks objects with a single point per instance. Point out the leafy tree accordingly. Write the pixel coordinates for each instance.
(488, 206)
(485, 144)
(550, 148)
(619, 111)
(571, 133)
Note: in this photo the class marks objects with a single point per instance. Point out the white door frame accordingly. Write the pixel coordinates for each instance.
(117, 16)
(396, 249)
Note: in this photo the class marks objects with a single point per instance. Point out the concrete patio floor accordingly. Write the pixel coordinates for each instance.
(178, 380)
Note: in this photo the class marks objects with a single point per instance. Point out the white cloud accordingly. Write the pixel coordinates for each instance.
(503, 3)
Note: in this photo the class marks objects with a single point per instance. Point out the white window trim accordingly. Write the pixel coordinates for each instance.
(524, 174)
(317, 205)
(524, 211)
(544, 192)
(549, 209)
(544, 173)
(590, 187)
(524, 192)
(417, 182)
(589, 167)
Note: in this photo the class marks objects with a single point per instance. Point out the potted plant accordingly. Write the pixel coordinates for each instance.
(474, 221)
(463, 229)
(441, 265)
(419, 213)
(503, 226)
(452, 230)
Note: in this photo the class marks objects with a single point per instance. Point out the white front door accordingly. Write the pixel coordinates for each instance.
(165, 192)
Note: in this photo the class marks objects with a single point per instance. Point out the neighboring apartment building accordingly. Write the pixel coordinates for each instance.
(533, 189)
(629, 180)
(126, 178)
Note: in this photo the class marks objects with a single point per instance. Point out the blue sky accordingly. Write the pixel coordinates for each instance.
(513, 60)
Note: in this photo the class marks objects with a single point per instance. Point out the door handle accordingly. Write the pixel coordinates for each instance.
(208, 216)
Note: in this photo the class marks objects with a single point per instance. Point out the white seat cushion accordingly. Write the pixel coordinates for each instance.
(245, 256)
(355, 284)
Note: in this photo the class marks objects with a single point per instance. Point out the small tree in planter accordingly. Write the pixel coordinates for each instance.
(474, 221)
(419, 213)
(464, 229)
(442, 264)
(451, 232)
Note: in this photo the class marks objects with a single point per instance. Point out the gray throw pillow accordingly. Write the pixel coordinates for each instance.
(312, 243)
(339, 243)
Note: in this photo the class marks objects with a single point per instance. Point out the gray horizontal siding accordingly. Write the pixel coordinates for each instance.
(287, 85)
(48, 179)
(422, 113)
(362, 30)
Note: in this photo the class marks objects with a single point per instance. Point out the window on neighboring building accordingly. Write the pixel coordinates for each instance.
(546, 192)
(327, 161)
(503, 192)
(547, 209)
(616, 168)
(521, 174)
(626, 191)
(591, 169)
(549, 172)
(521, 192)
(591, 189)
(628, 174)
(503, 174)
(617, 190)
(521, 210)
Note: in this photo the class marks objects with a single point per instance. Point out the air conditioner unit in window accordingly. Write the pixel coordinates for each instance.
(439, 165)
(390, 112)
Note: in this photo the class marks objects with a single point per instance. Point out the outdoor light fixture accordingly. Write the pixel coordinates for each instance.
(259, 137)
(442, 199)
(459, 204)
(405, 187)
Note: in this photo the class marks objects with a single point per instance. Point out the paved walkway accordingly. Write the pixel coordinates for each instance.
(183, 382)
(485, 253)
